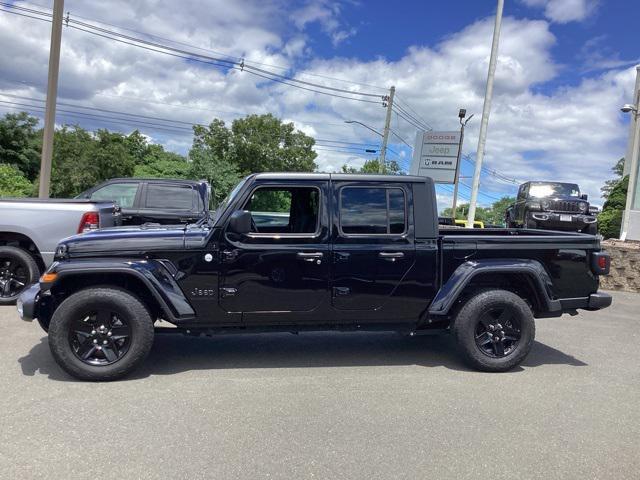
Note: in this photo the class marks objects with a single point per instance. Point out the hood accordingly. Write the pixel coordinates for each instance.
(133, 240)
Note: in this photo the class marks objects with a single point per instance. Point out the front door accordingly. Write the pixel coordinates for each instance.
(279, 273)
(373, 251)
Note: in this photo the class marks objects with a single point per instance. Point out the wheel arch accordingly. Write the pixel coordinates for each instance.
(525, 277)
(24, 242)
(149, 280)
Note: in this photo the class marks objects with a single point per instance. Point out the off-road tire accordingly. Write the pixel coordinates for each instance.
(120, 301)
(591, 229)
(466, 320)
(29, 264)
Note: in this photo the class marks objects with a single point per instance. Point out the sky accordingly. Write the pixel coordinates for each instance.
(564, 69)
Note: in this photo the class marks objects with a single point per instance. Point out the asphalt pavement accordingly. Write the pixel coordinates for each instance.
(331, 406)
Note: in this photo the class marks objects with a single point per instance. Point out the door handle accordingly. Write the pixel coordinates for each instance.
(310, 256)
(390, 256)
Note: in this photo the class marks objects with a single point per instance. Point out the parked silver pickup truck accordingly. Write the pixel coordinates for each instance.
(30, 230)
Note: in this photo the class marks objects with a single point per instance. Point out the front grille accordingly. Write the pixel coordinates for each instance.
(564, 206)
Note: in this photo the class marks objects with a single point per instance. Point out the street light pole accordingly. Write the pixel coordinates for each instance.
(486, 109)
(385, 136)
(52, 92)
(633, 152)
(461, 114)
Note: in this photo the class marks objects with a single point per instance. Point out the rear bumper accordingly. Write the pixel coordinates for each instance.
(599, 300)
(27, 303)
(595, 301)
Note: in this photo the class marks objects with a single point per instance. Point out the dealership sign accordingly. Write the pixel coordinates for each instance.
(435, 155)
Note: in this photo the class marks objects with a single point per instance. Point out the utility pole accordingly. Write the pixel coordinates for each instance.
(52, 93)
(632, 126)
(632, 159)
(486, 109)
(461, 114)
(385, 136)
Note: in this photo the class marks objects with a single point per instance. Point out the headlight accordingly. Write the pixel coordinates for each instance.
(583, 207)
(545, 204)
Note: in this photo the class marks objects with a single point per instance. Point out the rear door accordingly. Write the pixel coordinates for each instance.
(373, 249)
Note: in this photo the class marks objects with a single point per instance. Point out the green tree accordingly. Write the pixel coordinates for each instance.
(82, 159)
(21, 143)
(618, 169)
(221, 175)
(496, 214)
(13, 183)
(161, 164)
(610, 219)
(373, 166)
(257, 143)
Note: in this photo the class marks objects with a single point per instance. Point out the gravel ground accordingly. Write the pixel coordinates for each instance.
(370, 406)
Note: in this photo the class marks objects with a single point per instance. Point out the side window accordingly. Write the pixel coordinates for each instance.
(283, 210)
(372, 211)
(169, 197)
(123, 194)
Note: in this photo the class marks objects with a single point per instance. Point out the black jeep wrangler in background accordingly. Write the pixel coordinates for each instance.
(551, 206)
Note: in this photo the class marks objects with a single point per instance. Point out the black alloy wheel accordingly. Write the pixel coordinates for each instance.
(100, 338)
(494, 330)
(498, 332)
(18, 270)
(14, 277)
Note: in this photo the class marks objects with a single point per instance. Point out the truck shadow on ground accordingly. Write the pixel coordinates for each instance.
(172, 354)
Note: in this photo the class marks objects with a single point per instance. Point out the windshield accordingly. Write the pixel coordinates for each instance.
(554, 190)
(228, 199)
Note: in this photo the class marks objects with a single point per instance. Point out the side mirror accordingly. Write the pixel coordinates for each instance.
(240, 222)
(584, 196)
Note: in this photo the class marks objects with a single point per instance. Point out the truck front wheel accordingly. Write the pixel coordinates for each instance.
(100, 334)
(494, 330)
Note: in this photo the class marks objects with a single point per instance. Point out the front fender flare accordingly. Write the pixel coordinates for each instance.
(152, 273)
(451, 290)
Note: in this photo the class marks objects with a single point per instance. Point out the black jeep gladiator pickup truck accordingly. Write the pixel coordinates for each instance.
(331, 252)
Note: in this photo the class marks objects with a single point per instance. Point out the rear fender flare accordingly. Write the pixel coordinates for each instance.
(453, 288)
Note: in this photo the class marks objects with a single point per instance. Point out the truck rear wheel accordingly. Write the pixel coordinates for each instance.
(100, 334)
(18, 270)
(494, 330)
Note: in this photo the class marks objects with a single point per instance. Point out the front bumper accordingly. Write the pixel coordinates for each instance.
(28, 303)
(563, 221)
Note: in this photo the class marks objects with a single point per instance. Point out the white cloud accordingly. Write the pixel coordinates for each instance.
(571, 133)
(565, 11)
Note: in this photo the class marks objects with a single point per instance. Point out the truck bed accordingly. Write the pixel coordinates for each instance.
(564, 255)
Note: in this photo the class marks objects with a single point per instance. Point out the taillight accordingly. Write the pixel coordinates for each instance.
(89, 221)
(600, 263)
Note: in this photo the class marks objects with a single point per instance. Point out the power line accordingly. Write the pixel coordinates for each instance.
(416, 113)
(240, 58)
(166, 127)
(216, 61)
(407, 116)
